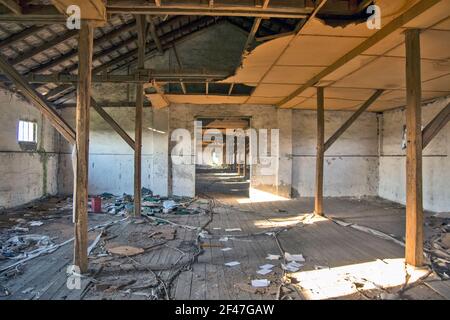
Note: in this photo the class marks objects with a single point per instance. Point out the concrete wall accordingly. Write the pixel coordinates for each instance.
(351, 163)
(111, 160)
(436, 164)
(25, 174)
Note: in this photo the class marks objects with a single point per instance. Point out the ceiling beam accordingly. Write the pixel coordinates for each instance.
(12, 5)
(144, 76)
(20, 35)
(45, 46)
(391, 27)
(174, 35)
(74, 52)
(194, 9)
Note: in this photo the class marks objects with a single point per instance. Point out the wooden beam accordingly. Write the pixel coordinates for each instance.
(352, 119)
(141, 27)
(73, 53)
(12, 5)
(154, 34)
(39, 14)
(414, 205)
(390, 28)
(45, 46)
(20, 35)
(318, 205)
(113, 124)
(38, 101)
(85, 49)
(433, 128)
(195, 9)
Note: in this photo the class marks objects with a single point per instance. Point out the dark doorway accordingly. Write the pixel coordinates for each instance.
(224, 171)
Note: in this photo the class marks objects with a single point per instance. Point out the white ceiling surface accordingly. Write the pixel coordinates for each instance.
(280, 66)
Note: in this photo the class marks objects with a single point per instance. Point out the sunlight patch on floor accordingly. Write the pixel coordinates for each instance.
(261, 196)
(346, 280)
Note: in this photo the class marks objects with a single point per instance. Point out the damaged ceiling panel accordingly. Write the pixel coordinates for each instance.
(281, 61)
(319, 45)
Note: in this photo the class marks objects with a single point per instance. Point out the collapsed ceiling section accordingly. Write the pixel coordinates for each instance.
(286, 48)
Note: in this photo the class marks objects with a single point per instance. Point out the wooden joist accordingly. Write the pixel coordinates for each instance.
(387, 30)
(154, 34)
(113, 124)
(352, 119)
(433, 128)
(318, 203)
(85, 49)
(20, 35)
(295, 11)
(39, 102)
(414, 202)
(12, 5)
(45, 46)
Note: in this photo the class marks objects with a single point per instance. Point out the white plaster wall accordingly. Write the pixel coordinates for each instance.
(24, 175)
(351, 163)
(436, 164)
(111, 160)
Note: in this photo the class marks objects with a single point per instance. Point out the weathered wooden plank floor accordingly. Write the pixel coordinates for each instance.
(340, 262)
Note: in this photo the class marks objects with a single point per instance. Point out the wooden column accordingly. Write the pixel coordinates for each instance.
(85, 49)
(414, 206)
(141, 26)
(318, 207)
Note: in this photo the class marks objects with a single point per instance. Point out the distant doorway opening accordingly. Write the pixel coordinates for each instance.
(222, 146)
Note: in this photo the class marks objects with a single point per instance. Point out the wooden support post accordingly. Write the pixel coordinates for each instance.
(318, 207)
(414, 206)
(141, 27)
(352, 119)
(85, 49)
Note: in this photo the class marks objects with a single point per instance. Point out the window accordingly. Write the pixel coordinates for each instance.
(27, 131)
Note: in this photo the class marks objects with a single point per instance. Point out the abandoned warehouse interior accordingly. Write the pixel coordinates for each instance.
(255, 149)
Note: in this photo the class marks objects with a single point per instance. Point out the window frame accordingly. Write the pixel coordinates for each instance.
(21, 132)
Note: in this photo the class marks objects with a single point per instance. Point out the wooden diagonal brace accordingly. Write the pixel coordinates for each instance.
(352, 119)
(112, 123)
(39, 102)
(433, 128)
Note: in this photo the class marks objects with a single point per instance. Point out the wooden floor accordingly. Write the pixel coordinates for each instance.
(341, 262)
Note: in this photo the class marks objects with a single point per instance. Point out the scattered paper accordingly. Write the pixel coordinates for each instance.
(223, 239)
(260, 283)
(263, 272)
(294, 257)
(291, 266)
(36, 223)
(232, 263)
(273, 257)
(267, 266)
(226, 249)
(233, 229)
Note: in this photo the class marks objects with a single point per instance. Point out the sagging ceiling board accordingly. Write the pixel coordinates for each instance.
(276, 68)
